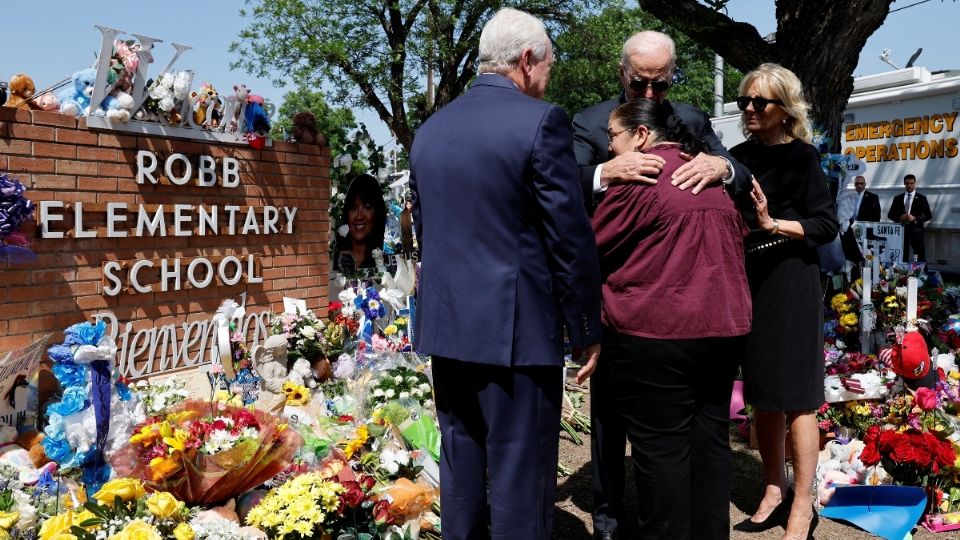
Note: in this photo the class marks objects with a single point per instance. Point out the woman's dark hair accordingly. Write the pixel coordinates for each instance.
(659, 118)
(368, 189)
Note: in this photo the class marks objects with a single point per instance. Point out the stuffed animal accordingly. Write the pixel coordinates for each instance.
(21, 89)
(305, 129)
(256, 117)
(32, 441)
(237, 100)
(75, 99)
(3, 93)
(302, 373)
(117, 107)
(45, 102)
(207, 110)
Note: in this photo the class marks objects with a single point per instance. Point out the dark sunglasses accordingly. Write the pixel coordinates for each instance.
(759, 103)
(640, 85)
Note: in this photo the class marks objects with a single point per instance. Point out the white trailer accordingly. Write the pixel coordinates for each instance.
(901, 122)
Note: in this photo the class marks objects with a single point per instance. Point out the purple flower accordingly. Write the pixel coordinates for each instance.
(14, 207)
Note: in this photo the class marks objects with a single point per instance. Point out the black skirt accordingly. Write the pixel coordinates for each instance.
(783, 362)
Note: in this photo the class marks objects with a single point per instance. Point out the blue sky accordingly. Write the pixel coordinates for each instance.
(60, 39)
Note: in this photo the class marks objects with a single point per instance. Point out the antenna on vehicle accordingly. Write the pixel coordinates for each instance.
(885, 58)
(913, 58)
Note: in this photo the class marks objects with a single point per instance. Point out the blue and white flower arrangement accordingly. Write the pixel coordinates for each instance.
(96, 411)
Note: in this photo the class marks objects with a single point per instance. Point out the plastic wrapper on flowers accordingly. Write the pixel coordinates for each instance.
(206, 453)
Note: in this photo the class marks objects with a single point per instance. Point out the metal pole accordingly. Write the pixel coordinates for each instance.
(718, 86)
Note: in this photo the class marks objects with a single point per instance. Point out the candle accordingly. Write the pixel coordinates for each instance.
(911, 300)
(867, 287)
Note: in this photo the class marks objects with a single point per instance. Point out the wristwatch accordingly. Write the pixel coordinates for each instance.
(776, 228)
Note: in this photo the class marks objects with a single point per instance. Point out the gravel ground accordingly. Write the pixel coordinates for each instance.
(574, 497)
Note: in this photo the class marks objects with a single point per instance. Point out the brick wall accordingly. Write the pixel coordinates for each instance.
(57, 158)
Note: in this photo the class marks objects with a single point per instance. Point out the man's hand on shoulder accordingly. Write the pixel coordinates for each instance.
(699, 172)
(632, 167)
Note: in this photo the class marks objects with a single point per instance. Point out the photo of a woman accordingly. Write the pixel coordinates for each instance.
(365, 215)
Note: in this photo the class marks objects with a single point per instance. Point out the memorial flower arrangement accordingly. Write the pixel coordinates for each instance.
(857, 416)
(339, 329)
(122, 510)
(92, 402)
(204, 452)
(911, 457)
(399, 383)
(159, 394)
(304, 332)
(314, 504)
(21, 506)
(15, 209)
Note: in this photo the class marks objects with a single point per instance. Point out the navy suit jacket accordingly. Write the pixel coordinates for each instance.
(592, 145)
(919, 209)
(869, 207)
(508, 257)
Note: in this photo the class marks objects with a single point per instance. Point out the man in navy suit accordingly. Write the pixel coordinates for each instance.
(912, 210)
(508, 261)
(868, 203)
(646, 70)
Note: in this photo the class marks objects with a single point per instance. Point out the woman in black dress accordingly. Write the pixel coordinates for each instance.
(783, 363)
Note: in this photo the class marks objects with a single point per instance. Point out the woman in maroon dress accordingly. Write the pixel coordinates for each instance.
(675, 308)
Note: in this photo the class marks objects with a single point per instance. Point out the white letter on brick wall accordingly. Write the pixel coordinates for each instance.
(115, 285)
(207, 172)
(144, 170)
(46, 217)
(231, 172)
(113, 218)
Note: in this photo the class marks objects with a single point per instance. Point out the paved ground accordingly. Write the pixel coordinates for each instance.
(574, 498)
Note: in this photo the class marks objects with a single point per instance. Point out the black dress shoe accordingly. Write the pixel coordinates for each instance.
(605, 535)
(777, 517)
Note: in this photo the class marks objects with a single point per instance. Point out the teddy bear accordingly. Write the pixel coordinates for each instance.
(256, 118)
(3, 93)
(46, 101)
(305, 129)
(75, 99)
(301, 373)
(237, 100)
(20, 90)
(207, 109)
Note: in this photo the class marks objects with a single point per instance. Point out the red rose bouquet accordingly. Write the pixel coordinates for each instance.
(911, 457)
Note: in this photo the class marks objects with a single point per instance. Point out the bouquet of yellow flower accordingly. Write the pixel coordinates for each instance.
(121, 510)
(205, 453)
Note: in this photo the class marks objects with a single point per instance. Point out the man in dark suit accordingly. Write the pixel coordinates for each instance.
(646, 70)
(508, 261)
(868, 203)
(912, 210)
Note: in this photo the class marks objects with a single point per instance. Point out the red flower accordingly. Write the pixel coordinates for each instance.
(333, 308)
(871, 454)
(353, 496)
(381, 513)
(367, 482)
(926, 398)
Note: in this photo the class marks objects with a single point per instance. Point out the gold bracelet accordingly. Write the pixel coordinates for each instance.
(776, 228)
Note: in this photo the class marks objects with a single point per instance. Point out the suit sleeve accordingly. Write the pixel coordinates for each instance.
(587, 155)
(923, 213)
(896, 209)
(814, 203)
(568, 237)
(742, 178)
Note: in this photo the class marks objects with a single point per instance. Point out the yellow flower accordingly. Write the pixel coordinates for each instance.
(839, 303)
(289, 387)
(137, 530)
(127, 489)
(147, 435)
(84, 516)
(163, 467)
(849, 320)
(8, 520)
(163, 505)
(178, 440)
(400, 321)
(390, 330)
(59, 523)
(228, 398)
(183, 532)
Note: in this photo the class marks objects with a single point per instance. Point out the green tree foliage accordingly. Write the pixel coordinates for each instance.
(820, 41)
(375, 53)
(589, 54)
(334, 123)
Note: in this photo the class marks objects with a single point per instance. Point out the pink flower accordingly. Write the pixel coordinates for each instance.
(926, 399)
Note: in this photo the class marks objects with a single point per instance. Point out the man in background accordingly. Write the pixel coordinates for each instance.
(912, 210)
(868, 203)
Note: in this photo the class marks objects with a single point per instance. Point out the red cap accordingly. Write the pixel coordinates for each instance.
(911, 359)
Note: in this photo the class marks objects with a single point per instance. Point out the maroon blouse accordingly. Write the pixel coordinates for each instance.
(672, 262)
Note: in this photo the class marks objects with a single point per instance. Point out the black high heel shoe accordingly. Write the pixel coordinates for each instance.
(776, 518)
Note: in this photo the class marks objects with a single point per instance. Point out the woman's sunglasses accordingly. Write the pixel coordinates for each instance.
(640, 85)
(759, 103)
